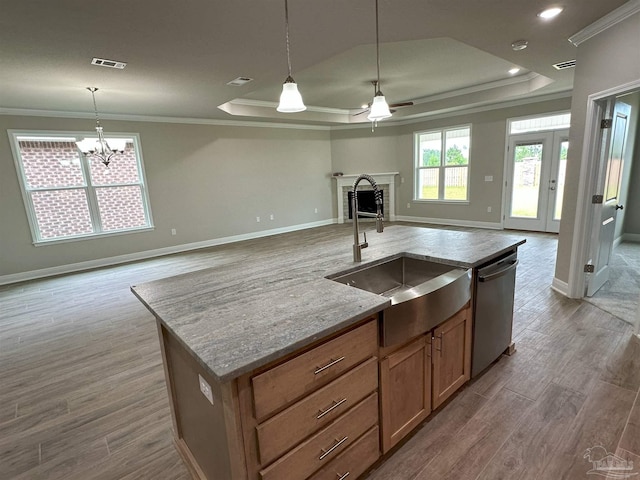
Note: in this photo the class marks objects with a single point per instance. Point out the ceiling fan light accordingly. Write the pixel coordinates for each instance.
(290, 98)
(379, 109)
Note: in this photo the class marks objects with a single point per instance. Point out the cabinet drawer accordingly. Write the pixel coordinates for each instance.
(327, 444)
(289, 427)
(354, 461)
(305, 373)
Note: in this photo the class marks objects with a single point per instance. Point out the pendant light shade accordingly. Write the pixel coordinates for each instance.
(379, 106)
(290, 98)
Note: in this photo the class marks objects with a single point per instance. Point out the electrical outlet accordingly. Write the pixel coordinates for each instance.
(258, 219)
(401, 179)
(205, 388)
(408, 205)
(315, 210)
(173, 231)
(489, 209)
(271, 217)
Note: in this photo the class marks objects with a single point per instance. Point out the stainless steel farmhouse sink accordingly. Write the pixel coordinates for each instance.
(423, 294)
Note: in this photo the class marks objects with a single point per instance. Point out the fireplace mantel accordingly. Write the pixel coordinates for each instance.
(386, 180)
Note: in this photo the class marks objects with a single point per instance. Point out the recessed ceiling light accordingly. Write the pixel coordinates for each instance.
(550, 12)
(519, 45)
(514, 70)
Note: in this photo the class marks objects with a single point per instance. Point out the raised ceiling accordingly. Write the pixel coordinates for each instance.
(442, 54)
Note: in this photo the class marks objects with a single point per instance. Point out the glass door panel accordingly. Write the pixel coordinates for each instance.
(562, 169)
(525, 190)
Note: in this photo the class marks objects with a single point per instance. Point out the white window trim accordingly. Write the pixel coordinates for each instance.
(441, 168)
(73, 136)
(511, 120)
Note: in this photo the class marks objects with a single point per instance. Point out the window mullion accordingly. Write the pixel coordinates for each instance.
(443, 156)
(94, 211)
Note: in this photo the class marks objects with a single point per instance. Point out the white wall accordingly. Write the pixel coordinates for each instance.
(206, 181)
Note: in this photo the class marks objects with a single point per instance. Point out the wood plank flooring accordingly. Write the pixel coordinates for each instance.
(82, 392)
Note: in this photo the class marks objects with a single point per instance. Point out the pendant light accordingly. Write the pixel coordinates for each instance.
(379, 107)
(98, 147)
(290, 98)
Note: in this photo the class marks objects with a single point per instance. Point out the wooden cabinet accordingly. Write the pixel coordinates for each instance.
(315, 411)
(405, 390)
(419, 376)
(451, 356)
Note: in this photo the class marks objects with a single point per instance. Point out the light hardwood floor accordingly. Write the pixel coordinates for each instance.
(82, 392)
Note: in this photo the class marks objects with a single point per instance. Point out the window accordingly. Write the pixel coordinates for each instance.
(442, 164)
(559, 121)
(70, 196)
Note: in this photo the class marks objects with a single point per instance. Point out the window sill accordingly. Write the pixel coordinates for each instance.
(450, 202)
(92, 236)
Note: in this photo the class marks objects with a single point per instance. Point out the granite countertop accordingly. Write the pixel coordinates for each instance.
(273, 299)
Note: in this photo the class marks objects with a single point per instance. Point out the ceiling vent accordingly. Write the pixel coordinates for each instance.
(565, 65)
(238, 82)
(103, 62)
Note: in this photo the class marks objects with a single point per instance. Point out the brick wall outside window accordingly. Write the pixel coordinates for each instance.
(61, 196)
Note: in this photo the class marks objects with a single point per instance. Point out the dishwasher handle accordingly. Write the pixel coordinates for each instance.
(499, 273)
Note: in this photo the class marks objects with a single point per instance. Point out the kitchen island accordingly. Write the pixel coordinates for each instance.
(231, 330)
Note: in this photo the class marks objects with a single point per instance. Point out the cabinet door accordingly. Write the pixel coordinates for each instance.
(451, 356)
(405, 386)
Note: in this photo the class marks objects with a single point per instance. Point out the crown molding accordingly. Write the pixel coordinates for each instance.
(609, 20)
(461, 111)
(310, 108)
(239, 123)
(153, 119)
(479, 88)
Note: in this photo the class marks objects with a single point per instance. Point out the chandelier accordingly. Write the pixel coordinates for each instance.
(98, 147)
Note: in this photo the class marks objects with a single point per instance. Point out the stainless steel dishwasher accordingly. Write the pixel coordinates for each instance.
(494, 290)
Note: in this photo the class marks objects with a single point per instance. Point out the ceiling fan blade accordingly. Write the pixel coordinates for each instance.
(360, 113)
(401, 104)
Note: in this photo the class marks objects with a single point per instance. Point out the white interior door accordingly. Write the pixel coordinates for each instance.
(535, 181)
(608, 186)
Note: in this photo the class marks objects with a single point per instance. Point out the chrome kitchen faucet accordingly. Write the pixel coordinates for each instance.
(357, 246)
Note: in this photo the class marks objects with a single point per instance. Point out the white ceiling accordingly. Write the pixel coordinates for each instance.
(442, 54)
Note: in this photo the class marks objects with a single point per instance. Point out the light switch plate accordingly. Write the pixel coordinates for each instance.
(488, 178)
(205, 388)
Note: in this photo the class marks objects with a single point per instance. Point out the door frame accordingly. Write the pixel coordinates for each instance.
(585, 211)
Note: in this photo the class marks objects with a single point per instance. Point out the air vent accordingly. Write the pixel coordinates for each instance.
(238, 82)
(564, 65)
(103, 62)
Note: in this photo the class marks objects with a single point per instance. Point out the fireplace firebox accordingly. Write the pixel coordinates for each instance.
(366, 202)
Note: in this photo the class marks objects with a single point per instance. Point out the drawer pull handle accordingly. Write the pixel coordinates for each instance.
(335, 445)
(328, 365)
(332, 407)
(342, 477)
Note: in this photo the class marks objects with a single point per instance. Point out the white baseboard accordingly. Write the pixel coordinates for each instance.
(630, 237)
(451, 222)
(158, 252)
(560, 286)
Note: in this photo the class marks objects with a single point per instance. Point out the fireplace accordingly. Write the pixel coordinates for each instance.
(386, 183)
(366, 202)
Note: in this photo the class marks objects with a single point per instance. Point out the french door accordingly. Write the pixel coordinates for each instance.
(535, 180)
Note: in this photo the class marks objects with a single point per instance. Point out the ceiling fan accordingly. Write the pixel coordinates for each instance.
(392, 106)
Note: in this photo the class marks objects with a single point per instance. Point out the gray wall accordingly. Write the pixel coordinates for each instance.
(390, 149)
(205, 181)
(609, 59)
